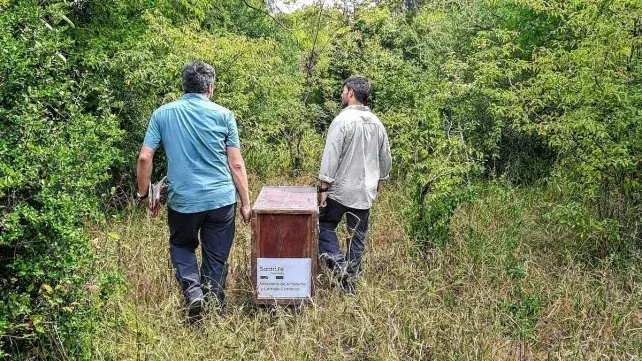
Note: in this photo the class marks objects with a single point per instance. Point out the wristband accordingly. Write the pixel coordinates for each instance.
(321, 190)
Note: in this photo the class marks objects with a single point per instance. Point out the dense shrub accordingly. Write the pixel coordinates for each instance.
(56, 147)
(563, 78)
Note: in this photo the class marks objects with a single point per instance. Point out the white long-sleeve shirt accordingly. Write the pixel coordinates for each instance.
(356, 157)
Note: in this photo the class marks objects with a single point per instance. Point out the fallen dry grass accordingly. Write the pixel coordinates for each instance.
(492, 294)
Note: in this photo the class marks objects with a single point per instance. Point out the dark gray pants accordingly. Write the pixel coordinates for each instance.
(357, 223)
(216, 229)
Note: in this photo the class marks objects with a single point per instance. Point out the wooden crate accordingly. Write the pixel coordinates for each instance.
(284, 244)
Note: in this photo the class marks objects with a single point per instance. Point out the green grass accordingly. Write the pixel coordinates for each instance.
(504, 288)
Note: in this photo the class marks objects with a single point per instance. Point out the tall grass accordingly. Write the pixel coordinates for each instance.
(498, 291)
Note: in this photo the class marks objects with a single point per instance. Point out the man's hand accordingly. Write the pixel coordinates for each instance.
(322, 193)
(154, 208)
(379, 188)
(323, 197)
(246, 213)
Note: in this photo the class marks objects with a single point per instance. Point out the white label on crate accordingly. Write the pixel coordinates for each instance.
(283, 277)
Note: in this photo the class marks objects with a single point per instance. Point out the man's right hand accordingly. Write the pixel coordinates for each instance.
(323, 198)
(246, 213)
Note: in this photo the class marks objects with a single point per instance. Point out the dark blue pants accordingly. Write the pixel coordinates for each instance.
(357, 224)
(216, 229)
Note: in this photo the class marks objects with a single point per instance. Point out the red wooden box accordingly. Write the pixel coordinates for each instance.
(284, 244)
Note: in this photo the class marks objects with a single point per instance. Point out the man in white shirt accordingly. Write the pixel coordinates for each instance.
(355, 160)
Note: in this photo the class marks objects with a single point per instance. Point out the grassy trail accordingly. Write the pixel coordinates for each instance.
(493, 294)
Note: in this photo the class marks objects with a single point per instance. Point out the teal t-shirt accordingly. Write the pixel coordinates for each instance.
(195, 133)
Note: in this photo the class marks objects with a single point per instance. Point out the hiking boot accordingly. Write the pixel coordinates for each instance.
(338, 273)
(353, 269)
(349, 285)
(336, 266)
(212, 303)
(195, 310)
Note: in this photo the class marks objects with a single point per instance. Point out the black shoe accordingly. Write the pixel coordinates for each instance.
(349, 285)
(339, 273)
(195, 310)
(213, 303)
(336, 266)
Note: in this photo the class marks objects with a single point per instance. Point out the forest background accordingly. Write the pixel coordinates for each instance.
(510, 229)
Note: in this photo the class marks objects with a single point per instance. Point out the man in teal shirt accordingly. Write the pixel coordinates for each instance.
(205, 171)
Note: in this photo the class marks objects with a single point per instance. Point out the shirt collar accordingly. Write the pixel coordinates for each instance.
(358, 107)
(195, 95)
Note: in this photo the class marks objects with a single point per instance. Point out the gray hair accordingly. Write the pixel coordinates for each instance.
(197, 76)
(361, 87)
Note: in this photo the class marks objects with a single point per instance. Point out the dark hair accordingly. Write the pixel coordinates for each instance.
(361, 87)
(197, 76)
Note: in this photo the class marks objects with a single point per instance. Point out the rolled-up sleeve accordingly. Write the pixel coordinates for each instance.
(385, 159)
(331, 153)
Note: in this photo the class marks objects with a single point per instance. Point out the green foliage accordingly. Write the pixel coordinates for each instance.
(527, 91)
(431, 224)
(257, 77)
(536, 91)
(56, 146)
(522, 315)
(572, 81)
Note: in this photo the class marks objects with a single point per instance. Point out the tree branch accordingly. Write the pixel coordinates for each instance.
(272, 17)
